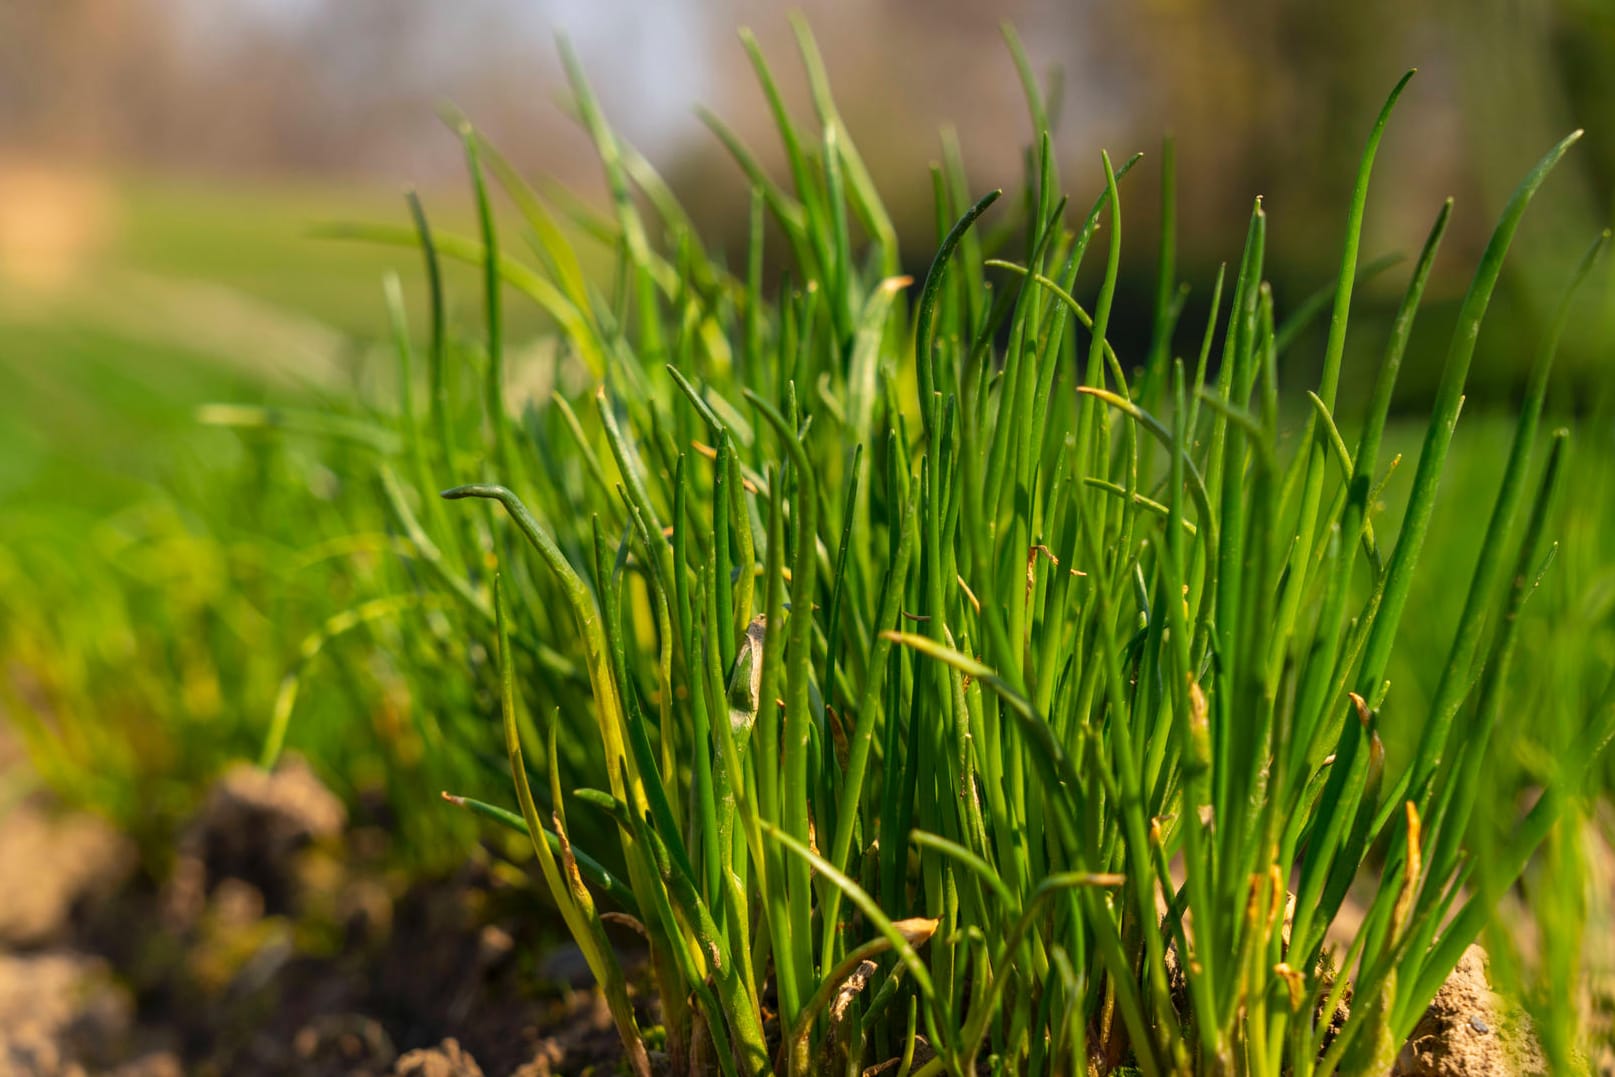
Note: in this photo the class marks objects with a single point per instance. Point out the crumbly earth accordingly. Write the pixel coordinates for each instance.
(52, 866)
(1468, 1031)
(278, 942)
(252, 827)
(448, 1059)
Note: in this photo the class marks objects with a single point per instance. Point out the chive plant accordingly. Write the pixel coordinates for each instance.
(925, 679)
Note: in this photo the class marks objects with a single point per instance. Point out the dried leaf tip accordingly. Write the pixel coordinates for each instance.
(916, 930)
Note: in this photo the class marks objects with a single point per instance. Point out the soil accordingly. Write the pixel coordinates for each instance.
(1469, 1030)
(278, 940)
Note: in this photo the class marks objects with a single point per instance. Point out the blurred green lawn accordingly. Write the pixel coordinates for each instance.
(158, 576)
(193, 294)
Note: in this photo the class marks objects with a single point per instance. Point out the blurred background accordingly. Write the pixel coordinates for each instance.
(159, 155)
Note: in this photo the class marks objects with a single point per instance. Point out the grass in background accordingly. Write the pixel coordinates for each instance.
(155, 576)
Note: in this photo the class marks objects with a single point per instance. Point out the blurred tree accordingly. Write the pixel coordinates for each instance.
(1264, 96)
(78, 77)
(1276, 97)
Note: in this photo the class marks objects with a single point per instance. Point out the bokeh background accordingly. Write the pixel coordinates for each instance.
(159, 155)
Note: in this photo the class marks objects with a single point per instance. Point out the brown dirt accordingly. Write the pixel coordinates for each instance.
(279, 941)
(252, 828)
(58, 1011)
(53, 866)
(447, 1059)
(1468, 1031)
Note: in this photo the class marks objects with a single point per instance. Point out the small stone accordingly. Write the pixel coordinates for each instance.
(48, 865)
(349, 1044)
(494, 943)
(1445, 1041)
(156, 1064)
(447, 1059)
